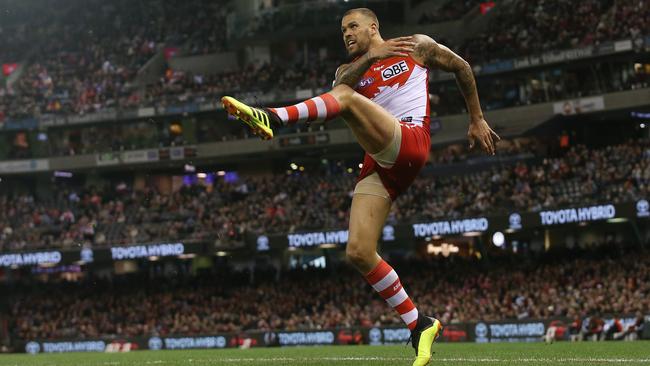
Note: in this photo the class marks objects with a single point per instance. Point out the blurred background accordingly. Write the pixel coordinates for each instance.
(135, 214)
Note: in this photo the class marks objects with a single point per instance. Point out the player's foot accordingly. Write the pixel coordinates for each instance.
(426, 331)
(259, 120)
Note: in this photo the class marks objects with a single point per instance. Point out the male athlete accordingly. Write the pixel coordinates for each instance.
(383, 97)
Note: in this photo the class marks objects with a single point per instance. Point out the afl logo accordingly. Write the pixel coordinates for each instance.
(515, 221)
(642, 208)
(481, 330)
(394, 70)
(366, 82)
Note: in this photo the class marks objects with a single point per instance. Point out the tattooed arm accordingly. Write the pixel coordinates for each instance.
(434, 55)
(350, 74)
(437, 56)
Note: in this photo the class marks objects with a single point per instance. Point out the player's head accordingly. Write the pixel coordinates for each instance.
(359, 26)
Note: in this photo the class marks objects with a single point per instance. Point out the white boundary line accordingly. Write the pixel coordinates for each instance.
(308, 360)
(303, 360)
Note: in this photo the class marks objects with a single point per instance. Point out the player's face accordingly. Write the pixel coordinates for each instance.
(357, 30)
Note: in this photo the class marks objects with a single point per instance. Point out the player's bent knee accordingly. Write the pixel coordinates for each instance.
(343, 95)
(359, 256)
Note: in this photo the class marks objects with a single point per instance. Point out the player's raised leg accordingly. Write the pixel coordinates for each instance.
(262, 121)
(373, 126)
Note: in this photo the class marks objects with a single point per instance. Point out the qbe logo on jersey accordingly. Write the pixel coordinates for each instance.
(394, 70)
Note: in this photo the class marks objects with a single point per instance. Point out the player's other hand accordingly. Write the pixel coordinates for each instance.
(480, 131)
(400, 46)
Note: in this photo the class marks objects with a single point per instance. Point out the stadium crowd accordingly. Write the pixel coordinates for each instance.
(451, 10)
(93, 62)
(177, 87)
(279, 203)
(462, 290)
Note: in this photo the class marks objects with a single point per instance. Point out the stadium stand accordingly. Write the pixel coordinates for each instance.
(461, 291)
(83, 75)
(90, 79)
(279, 203)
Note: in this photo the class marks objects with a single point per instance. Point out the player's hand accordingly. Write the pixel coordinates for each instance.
(480, 131)
(400, 46)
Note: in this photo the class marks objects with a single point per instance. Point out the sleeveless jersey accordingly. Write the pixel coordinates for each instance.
(401, 86)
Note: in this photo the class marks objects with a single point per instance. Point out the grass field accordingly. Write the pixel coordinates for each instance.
(602, 353)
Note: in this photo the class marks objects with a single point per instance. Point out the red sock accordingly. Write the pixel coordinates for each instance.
(321, 108)
(384, 280)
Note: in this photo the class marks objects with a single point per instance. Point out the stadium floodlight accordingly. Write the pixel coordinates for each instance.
(221, 253)
(293, 166)
(221, 173)
(498, 239)
(201, 175)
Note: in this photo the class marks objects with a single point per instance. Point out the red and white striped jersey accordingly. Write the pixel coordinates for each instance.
(401, 86)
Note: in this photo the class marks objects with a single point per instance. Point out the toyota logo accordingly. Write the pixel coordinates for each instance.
(388, 233)
(270, 338)
(642, 208)
(374, 335)
(155, 343)
(32, 348)
(86, 255)
(515, 221)
(481, 330)
(263, 243)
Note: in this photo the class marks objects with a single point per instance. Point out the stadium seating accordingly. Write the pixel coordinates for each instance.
(86, 82)
(459, 291)
(280, 203)
(71, 75)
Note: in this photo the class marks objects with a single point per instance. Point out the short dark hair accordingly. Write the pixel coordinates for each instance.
(365, 11)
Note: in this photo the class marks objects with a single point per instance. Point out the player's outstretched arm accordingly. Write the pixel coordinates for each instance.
(435, 55)
(350, 74)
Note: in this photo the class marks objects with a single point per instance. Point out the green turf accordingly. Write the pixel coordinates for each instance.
(586, 353)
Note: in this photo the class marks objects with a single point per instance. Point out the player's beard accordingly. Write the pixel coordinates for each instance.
(360, 49)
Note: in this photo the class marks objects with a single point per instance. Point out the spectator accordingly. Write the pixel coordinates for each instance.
(200, 305)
